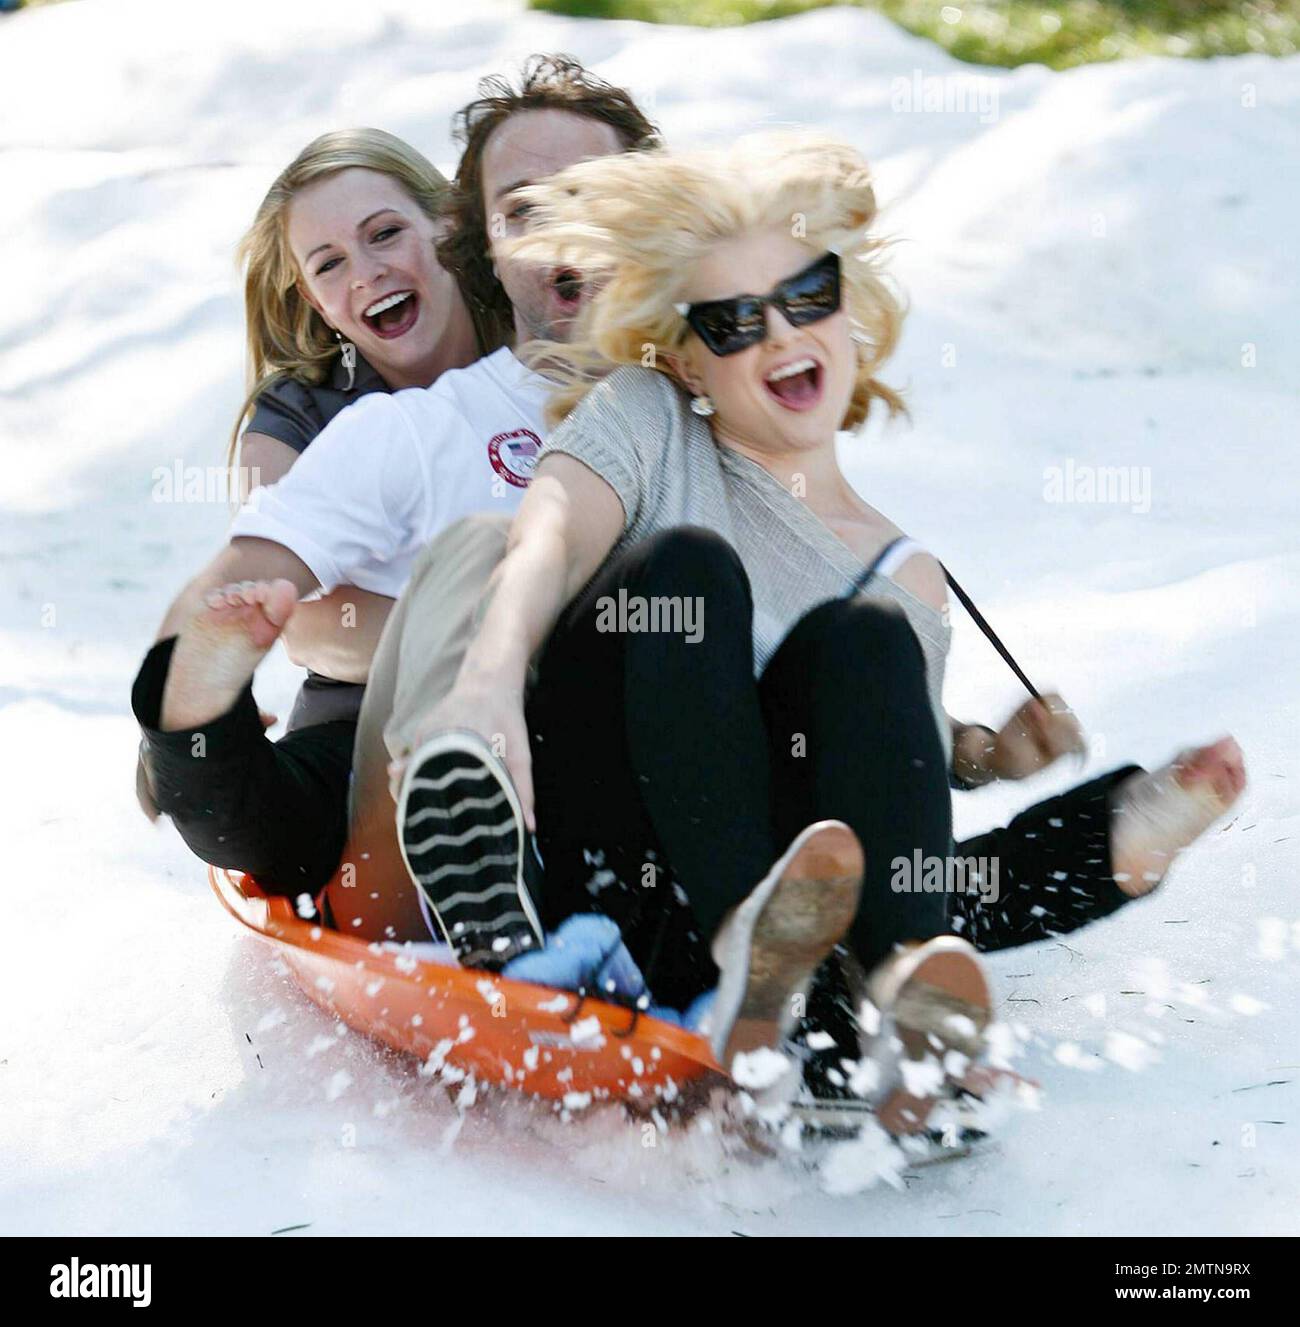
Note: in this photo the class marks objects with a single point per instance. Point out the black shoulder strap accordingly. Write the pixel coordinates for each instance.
(989, 632)
(860, 584)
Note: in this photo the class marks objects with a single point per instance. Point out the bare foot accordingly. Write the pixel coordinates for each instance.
(1156, 815)
(215, 655)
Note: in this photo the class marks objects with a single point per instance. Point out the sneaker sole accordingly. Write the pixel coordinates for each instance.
(938, 994)
(789, 925)
(947, 998)
(462, 836)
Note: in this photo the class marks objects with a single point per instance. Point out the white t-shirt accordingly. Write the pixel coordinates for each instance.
(390, 472)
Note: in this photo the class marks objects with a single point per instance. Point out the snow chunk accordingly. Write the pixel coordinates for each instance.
(922, 1078)
(586, 1032)
(868, 1018)
(871, 1157)
(759, 1069)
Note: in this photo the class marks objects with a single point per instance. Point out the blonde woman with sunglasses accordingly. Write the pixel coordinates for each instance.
(713, 674)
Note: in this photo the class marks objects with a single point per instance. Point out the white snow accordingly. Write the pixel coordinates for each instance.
(760, 1068)
(1102, 270)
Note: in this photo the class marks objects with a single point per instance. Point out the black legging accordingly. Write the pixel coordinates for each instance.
(668, 780)
(278, 810)
(663, 769)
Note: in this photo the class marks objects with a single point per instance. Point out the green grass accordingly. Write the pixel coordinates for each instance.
(1058, 33)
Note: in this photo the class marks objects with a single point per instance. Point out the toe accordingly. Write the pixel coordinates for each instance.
(279, 599)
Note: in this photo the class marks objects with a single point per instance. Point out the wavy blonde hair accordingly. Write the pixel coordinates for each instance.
(639, 222)
(286, 337)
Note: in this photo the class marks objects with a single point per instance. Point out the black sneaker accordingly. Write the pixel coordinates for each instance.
(837, 1098)
(465, 845)
(924, 1002)
(832, 1102)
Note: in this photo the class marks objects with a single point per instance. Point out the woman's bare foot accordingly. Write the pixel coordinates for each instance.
(1154, 816)
(215, 655)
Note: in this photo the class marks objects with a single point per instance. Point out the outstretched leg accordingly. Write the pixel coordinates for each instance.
(1085, 853)
(275, 809)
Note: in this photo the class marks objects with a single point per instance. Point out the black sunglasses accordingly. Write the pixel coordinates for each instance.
(729, 325)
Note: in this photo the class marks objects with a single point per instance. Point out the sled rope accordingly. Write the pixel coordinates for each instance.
(966, 602)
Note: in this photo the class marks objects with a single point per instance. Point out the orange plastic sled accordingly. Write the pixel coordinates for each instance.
(534, 1039)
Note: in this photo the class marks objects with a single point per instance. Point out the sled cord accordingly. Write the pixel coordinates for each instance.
(978, 617)
(905, 545)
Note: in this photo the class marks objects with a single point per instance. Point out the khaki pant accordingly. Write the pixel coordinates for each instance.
(416, 662)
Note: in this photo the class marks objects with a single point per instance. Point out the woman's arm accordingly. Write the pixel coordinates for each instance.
(567, 524)
(1038, 733)
(263, 460)
(972, 745)
(337, 634)
(565, 527)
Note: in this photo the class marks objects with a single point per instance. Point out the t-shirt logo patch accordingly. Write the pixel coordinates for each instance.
(514, 455)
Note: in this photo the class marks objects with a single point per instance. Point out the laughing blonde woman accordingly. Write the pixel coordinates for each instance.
(716, 672)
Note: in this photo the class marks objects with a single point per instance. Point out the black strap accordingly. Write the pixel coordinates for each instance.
(861, 582)
(975, 613)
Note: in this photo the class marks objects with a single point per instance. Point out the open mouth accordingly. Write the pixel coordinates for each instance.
(394, 315)
(796, 385)
(567, 284)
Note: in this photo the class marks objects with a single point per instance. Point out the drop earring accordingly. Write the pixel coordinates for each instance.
(349, 352)
(701, 405)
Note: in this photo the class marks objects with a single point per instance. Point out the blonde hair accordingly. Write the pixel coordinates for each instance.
(638, 223)
(286, 337)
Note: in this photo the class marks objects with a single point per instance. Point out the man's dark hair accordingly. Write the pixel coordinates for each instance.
(547, 82)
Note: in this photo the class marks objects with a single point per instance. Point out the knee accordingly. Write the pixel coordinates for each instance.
(868, 635)
(883, 623)
(692, 557)
(690, 546)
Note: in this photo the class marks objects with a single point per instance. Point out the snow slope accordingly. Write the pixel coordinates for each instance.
(1102, 267)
